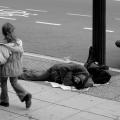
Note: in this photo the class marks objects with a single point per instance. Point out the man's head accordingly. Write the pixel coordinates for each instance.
(82, 80)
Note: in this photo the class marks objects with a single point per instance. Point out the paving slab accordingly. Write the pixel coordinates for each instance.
(30, 86)
(38, 63)
(104, 91)
(6, 115)
(54, 112)
(18, 107)
(107, 108)
(88, 116)
(23, 118)
(81, 102)
(54, 95)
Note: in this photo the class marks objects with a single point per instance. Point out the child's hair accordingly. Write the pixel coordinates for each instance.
(8, 32)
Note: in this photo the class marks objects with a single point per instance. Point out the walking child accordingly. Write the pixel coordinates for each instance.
(13, 67)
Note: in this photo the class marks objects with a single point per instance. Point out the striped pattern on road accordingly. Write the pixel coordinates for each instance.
(8, 18)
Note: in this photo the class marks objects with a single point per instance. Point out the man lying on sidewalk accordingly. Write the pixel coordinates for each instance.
(69, 74)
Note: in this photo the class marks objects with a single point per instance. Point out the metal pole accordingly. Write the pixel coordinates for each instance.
(99, 30)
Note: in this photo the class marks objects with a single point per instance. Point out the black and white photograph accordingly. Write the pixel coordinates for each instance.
(59, 59)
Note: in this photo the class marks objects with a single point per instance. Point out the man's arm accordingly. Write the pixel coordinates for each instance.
(79, 69)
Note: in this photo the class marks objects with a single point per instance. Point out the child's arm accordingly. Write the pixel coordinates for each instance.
(15, 47)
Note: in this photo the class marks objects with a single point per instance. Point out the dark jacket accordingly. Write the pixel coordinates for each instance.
(64, 72)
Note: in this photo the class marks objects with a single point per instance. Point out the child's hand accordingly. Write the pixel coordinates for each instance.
(10, 44)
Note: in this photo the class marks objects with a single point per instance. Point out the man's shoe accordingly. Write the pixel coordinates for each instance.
(4, 104)
(91, 57)
(27, 100)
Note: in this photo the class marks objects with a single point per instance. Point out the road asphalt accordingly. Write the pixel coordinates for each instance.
(97, 103)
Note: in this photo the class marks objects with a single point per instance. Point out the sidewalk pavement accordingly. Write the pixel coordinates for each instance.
(98, 103)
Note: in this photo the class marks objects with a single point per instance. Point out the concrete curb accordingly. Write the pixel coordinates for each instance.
(65, 60)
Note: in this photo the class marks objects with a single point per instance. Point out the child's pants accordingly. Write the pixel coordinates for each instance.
(16, 86)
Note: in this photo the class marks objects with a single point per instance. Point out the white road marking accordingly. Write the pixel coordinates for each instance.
(7, 18)
(4, 7)
(61, 60)
(47, 23)
(37, 10)
(109, 31)
(79, 15)
(91, 29)
(86, 28)
(13, 12)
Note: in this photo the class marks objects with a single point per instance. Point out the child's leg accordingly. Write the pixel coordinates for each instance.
(20, 91)
(4, 90)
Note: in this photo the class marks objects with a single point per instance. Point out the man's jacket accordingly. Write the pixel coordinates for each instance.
(63, 73)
